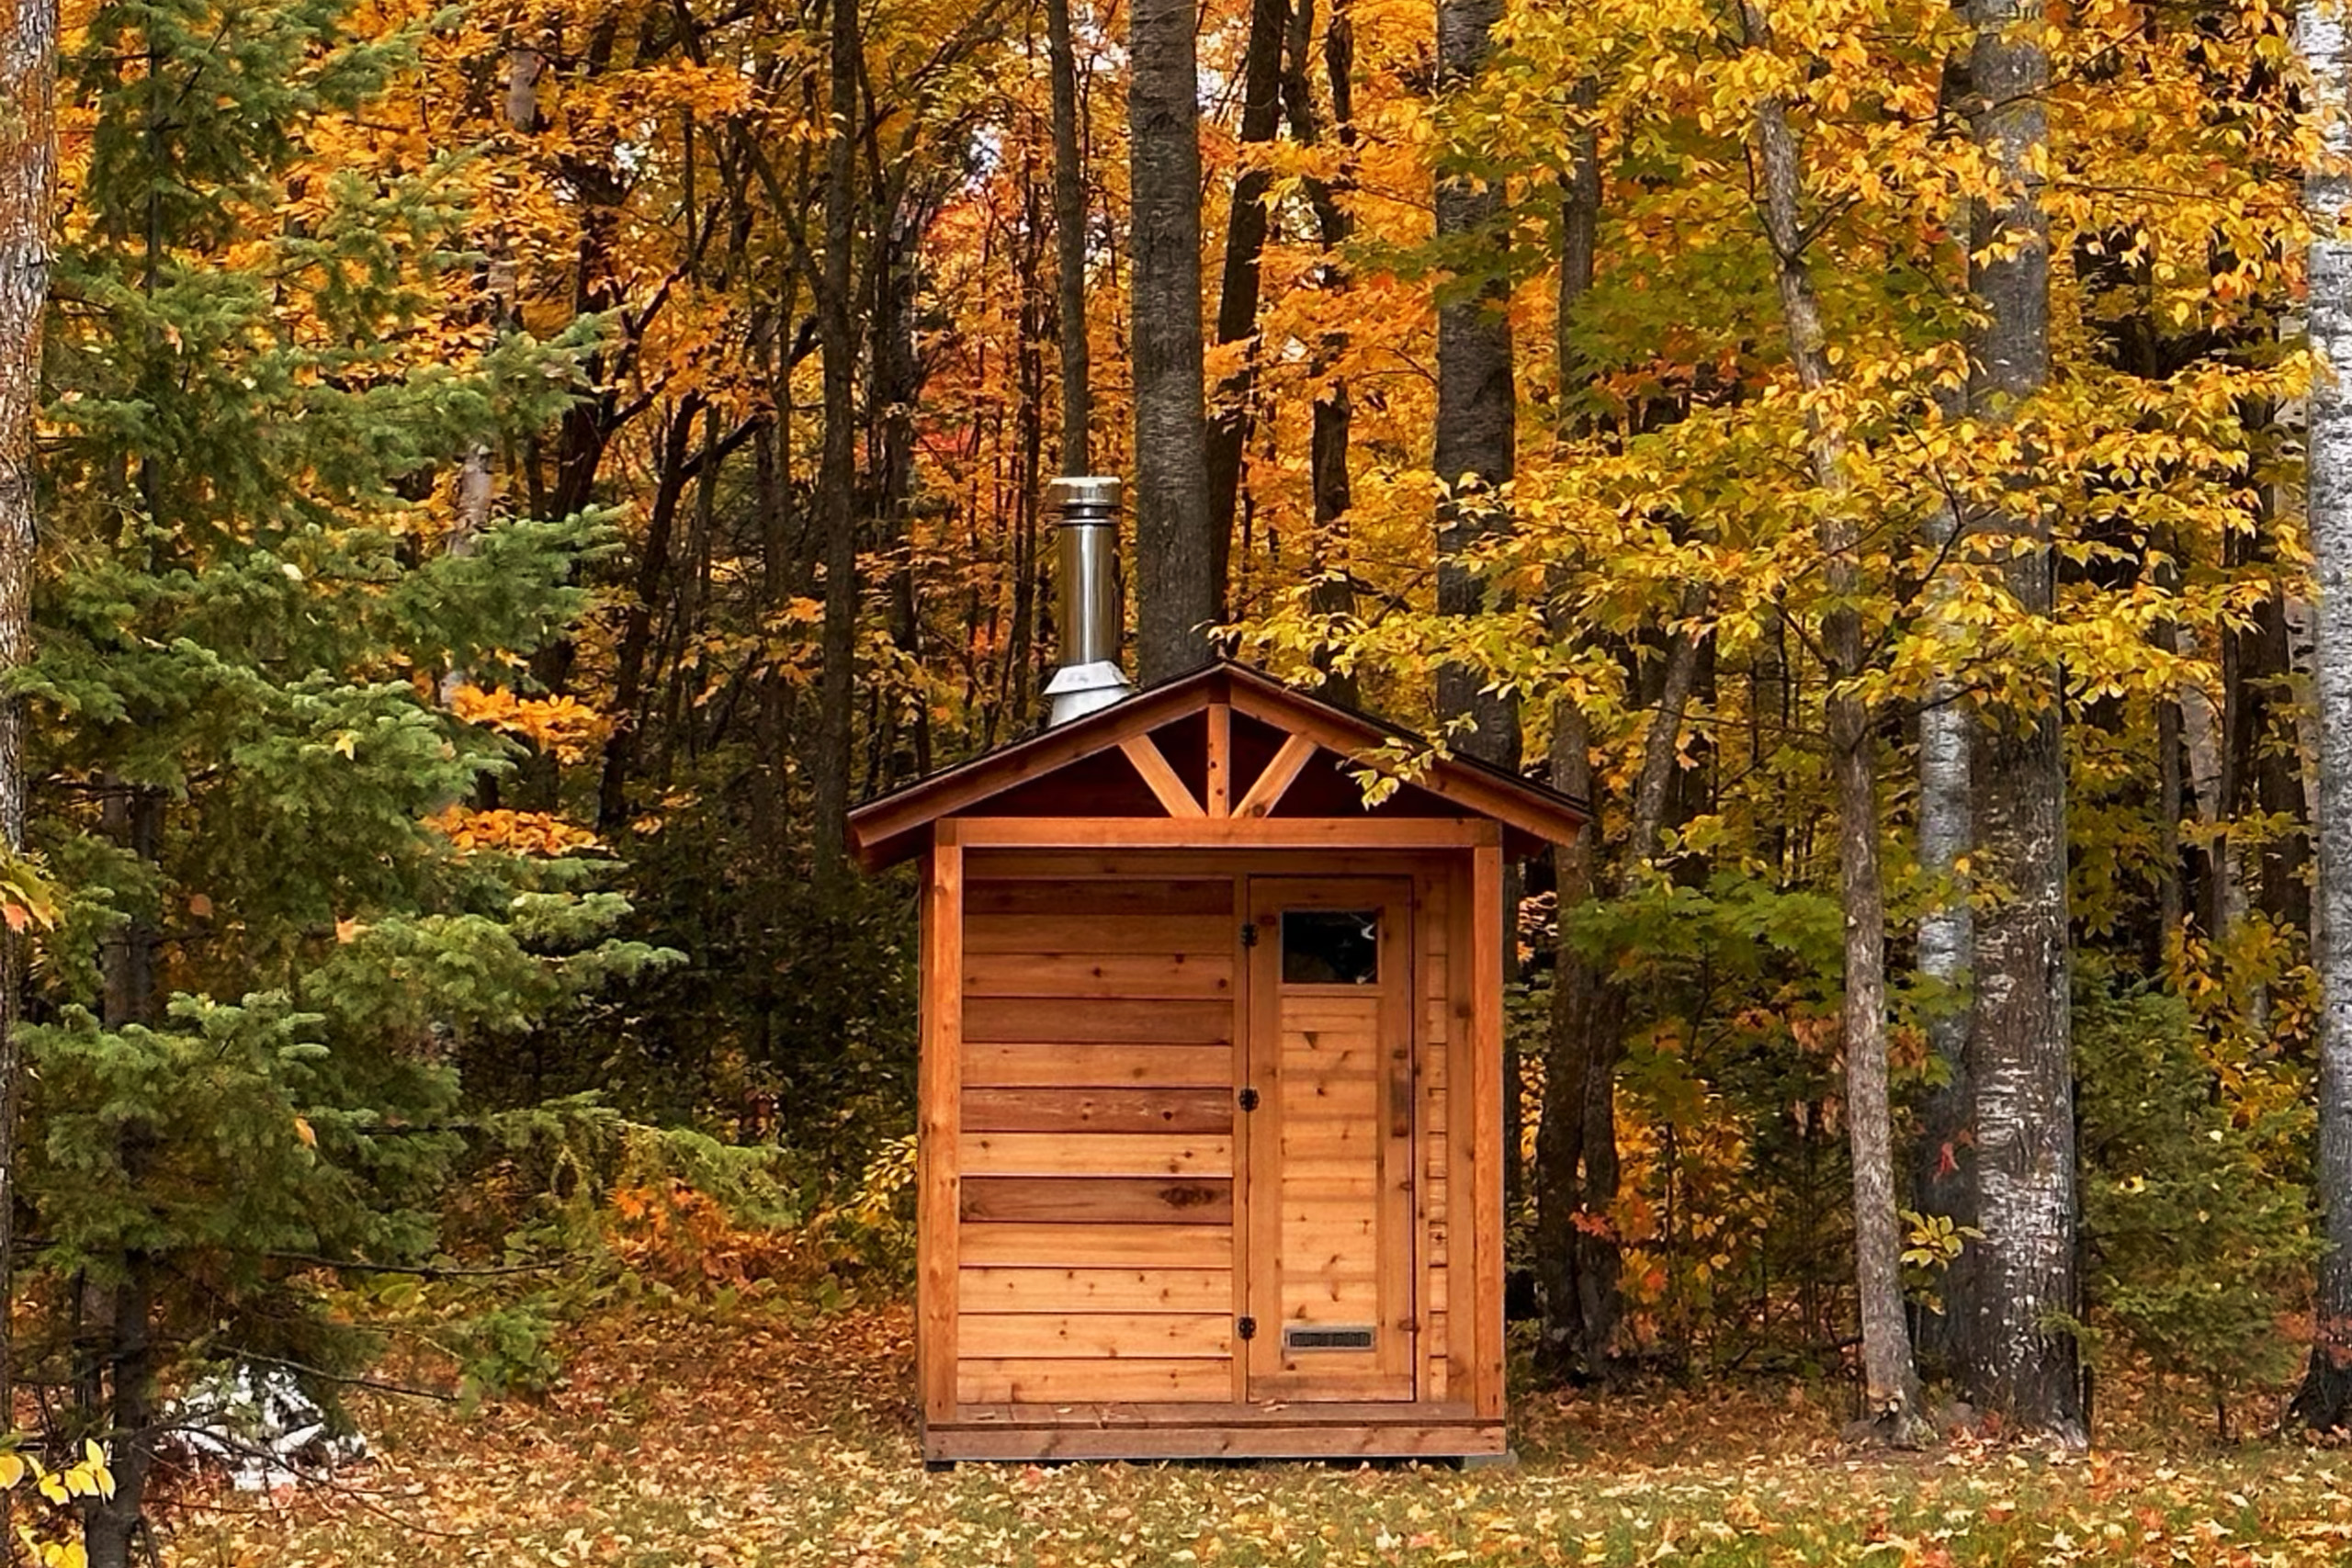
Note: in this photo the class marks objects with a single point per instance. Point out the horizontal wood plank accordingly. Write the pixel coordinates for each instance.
(1095, 1336)
(1095, 1153)
(1113, 867)
(1352, 1440)
(1173, 976)
(1322, 1169)
(1046, 1380)
(1092, 932)
(1098, 1199)
(1325, 1413)
(1042, 1245)
(1045, 1065)
(994, 1109)
(1360, 1188)
(1123, 897)
(1097, 1290)
(1318, 1385)
(1098, 1021)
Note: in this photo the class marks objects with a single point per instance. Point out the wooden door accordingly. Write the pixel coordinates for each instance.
(1328, 1073)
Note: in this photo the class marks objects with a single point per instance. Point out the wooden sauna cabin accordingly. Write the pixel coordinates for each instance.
(1211, 1085)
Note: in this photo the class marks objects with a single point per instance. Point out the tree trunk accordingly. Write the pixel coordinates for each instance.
(477, 487)
(897, 375)
(1070, 242)
(1889, 1384)
(2020, 1055)
(1943, 1177)
(1942, 1163)
(1028, 461)
(1577, 1258)
(1333, 417)
(782, 565)
(1245, 243)
(2266, 769)
(1176, 584)
(1477, 403)
(112, 1526)
(114, 1386)
(28, 193)
(1577, 1262)
(2172, 783)
(2325, 1400)
(1579, 256)
(837, 475)
(637, 622)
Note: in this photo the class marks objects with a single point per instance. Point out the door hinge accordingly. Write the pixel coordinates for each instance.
(1248, 933)
(1247, 1329)
(1249, 1099)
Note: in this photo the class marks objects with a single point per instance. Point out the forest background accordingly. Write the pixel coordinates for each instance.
(510, 476)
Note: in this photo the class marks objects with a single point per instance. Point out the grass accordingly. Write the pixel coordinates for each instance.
(677, 1441)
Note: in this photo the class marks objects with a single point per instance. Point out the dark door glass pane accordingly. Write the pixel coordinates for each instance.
(1330, 947)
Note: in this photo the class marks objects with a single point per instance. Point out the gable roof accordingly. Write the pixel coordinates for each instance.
(894, 826)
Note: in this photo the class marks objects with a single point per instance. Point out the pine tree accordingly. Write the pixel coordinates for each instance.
(269, 955)
(28, 195)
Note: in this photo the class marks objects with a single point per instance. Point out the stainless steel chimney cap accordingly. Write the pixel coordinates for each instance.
(1083, 492)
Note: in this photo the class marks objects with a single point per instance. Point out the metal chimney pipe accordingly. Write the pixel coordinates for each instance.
(1090, 677)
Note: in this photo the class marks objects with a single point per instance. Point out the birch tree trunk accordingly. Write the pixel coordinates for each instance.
(1942, 1173)
(1890, 1382)
(2019, 1046)
(28, 192)
(1476, 402)
(1069, 243)
(2325, 1400)
(1176, 586)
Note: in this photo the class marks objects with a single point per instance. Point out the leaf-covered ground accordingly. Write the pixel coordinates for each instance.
(673, 1440)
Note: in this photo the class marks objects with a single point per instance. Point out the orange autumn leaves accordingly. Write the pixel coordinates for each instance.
(561, 727)
(537, 833)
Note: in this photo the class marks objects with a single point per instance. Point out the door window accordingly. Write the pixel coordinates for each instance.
(1330, 947)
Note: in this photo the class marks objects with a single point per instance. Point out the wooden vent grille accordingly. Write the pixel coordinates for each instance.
(1328, 1336)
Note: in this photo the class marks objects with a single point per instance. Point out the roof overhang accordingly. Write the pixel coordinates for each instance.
(894, 827)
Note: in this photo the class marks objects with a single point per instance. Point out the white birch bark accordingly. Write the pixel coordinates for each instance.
(2201, 737)
(1943, 1181)
(2023, 1363)
(1946, 929)
(2326, 51)
(2302, 626)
